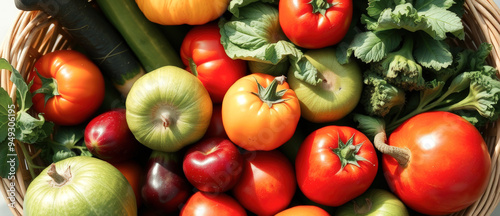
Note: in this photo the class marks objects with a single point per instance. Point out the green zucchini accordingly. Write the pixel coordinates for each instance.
(92, 31)
(144, 38)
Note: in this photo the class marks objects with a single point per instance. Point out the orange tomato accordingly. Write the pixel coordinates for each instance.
(177, 12)
(74, 84)
(135, 175)
(303, 210)
(259, 112)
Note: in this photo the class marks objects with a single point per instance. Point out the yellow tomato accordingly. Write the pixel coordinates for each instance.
(178, 12)
(259, 112)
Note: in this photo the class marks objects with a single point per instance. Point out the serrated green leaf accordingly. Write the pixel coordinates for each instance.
(423, 4)
(69, 136)
(374, 46)
(23, 95)
(235, 5)
(375, 7)
(63, 154)
(5, 106)
(442, 21)
(435, 21)
(256, 35)
(432, 53)
(31, 130)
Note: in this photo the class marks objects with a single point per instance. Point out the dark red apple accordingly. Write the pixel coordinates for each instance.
(109, 138)
(166, 189)
(213, 165)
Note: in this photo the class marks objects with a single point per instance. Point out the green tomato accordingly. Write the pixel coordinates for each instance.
(338, 93)
(374, 202)
(168, 108)
(80, 185)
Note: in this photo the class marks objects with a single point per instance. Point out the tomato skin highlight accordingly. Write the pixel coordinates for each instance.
(212, 204)
(312, 30)
(267, 184)
(303, 210)
(80, 85)
(449, 166)
(250, 123)
(318, 169)
(202, 50)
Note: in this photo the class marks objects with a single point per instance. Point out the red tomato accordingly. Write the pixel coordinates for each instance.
(303, 210)
(267, 184)
(449, 166)
(77, 85)
(212, 204)
(318, 165)
(205, 57)
(315, 24)
(260, 113)
(135, 175)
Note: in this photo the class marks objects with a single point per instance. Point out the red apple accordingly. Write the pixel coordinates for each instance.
(108, 137)
(165, 189)
(213, 165)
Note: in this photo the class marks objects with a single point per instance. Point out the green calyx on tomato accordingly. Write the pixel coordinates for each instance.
(269, 95)
(192, 67)
(49, 87)
(347, 152)
(320, 6)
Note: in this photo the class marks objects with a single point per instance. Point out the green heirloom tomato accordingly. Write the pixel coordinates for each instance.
(80, 185)
(372, 203)
(338, 93)
(168, 108)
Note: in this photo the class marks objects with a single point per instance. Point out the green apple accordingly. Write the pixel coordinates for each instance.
(374, 202)
(168, 108)
(338, 93)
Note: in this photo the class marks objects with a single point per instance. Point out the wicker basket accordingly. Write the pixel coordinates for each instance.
(35, 33)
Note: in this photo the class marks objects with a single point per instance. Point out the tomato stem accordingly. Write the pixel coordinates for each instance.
(58, 179)
(364, 208)
(347, 152)
(321, 6)
(270, 95)
(48, 88)
(192, 67)
(401, 155)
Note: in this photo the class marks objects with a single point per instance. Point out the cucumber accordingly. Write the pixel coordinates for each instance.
(147, 41)
(92, 31)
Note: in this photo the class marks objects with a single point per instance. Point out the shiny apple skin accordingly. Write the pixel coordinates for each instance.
(165, 189)
(108, 137)
(213, 165)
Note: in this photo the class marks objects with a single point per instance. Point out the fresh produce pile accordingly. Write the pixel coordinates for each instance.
(254, 107)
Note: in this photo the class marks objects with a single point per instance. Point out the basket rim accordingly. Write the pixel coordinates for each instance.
(482, 21)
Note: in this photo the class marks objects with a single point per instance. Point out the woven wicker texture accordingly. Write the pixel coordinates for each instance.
(35, 34)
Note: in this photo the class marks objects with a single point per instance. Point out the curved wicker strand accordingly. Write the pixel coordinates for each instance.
(35, 34)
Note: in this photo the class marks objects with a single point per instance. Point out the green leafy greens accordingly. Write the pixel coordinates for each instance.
(253, 33)
(411, 67)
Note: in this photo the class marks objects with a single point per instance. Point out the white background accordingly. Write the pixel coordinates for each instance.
(8, 15)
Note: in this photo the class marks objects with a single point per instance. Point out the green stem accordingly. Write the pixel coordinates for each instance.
(29, 161)
(193, 67)
(348, 151)
(48, 88)
(270, 95)
(321, 6)
(401, 155)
